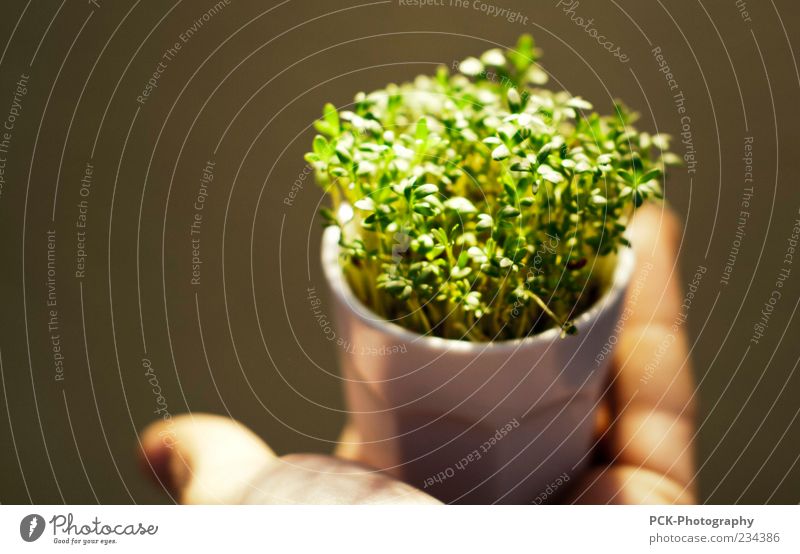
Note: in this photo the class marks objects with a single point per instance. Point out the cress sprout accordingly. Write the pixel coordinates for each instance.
(479, 206)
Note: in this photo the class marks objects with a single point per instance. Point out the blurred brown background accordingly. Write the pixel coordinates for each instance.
(241, 92)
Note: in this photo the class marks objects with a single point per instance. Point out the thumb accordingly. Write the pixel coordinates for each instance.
(203, 458)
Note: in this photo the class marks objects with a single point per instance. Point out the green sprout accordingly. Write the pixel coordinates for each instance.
(474, 205)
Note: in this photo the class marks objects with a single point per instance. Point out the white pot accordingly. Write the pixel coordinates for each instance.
(506, 422)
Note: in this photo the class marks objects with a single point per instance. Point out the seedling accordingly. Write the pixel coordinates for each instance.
(477, 205)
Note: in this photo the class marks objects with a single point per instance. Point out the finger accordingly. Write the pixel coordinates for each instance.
(317, 479)
(202, 458)
(653, 386)
(621, 484)
(347, 446)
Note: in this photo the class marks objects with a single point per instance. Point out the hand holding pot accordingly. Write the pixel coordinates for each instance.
(645, 437)
(647, 440)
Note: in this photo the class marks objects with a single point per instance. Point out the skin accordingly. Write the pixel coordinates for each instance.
(645, 453)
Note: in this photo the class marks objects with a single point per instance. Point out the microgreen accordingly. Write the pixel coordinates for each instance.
(475, 205)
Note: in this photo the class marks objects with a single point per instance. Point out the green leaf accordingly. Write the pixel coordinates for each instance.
(320, 145)
(478, 255)
(543, 153)
(549, 174)
(523, 55)
(650, 175)
(424, 208)
(511, 192)
(435, 252)
(441, 236)
(425, 190)
(366, 204)
(421, 131)
(331, 117)
(471, 67)
(463, 258)
(509, 212)
(423, 243)
(579, 103)
(485, 222)
(500, 153)
(514, 99)
(626, 176)
(493, 58)
(460, 205)
(343, 154)
(329, 217)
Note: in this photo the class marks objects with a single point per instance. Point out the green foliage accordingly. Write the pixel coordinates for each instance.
(483, 207)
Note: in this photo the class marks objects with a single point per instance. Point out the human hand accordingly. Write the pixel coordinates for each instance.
(647, 428)
(645, 434)
(213, 459)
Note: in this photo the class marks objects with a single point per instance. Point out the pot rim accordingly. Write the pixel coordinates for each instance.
(333, 272)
